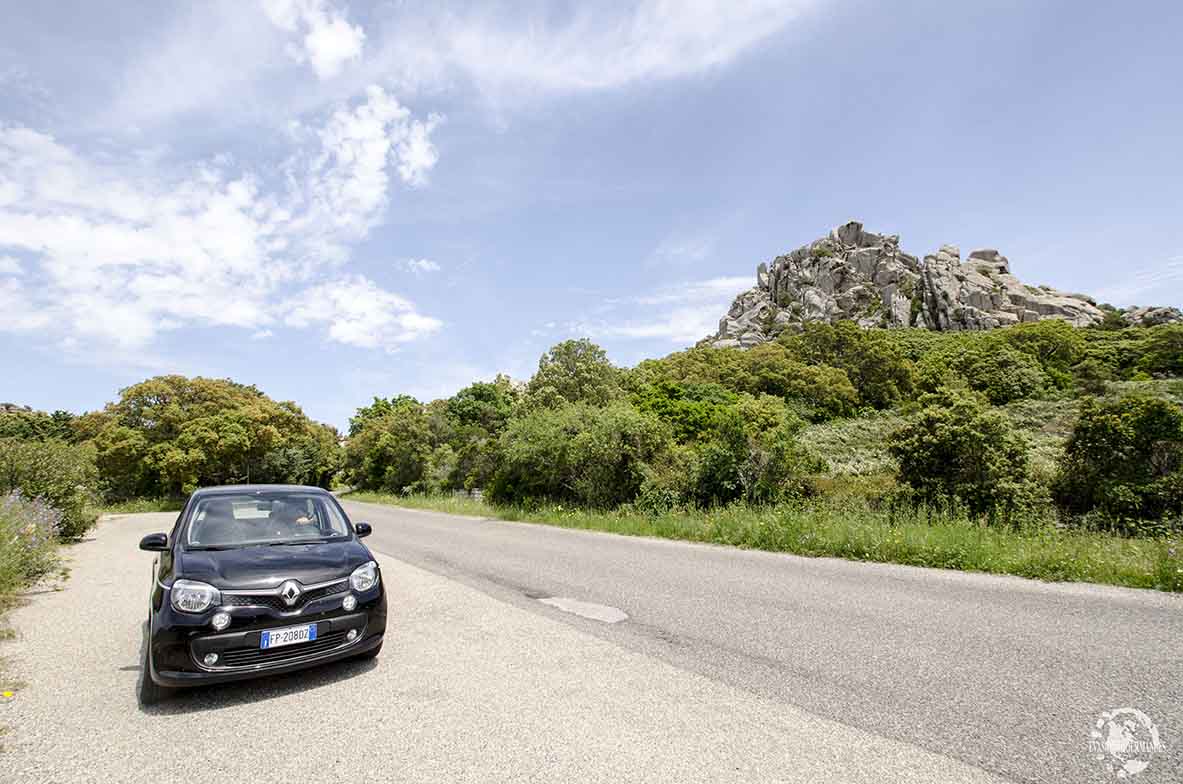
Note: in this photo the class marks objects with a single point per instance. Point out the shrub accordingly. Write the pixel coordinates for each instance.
(391, 451)
(958, 451)
(881, 374)
(753, 454)
(1001, 373)
(689, 409)
(1055, 344)
(60, 474)
(1091, 375)
(1164, 350)
(32, 425)
(28, 530)
(486, 405)
(577, 453)
(1124, 461)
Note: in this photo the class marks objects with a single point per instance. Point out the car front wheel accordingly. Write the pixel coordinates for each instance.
(148, 691)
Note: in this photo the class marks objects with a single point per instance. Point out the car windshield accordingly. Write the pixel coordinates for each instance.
(226, 521)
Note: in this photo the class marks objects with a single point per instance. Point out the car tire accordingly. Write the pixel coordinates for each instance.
(370, 654)
(148, 691)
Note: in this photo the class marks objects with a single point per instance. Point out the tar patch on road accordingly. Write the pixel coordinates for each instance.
(596, 612)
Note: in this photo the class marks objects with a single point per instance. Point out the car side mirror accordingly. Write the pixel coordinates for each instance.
(362, 529)
(154, 542)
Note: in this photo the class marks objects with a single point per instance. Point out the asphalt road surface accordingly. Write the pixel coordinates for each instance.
(527, 653)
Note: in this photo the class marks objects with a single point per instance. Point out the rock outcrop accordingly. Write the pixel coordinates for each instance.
(856, 275)
(1149, 317)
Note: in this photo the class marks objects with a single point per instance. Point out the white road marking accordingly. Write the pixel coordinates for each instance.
(597, 612)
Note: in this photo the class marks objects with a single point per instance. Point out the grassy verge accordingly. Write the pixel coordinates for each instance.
(862, 534)
(28, 555)
(138, 505)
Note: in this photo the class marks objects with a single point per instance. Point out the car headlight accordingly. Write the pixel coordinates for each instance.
(364, 577)
(191, 596)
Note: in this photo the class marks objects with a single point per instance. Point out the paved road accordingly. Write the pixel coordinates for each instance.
(731, 666)
(1002, 673)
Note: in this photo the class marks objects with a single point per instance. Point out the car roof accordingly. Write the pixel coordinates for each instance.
(241, 489)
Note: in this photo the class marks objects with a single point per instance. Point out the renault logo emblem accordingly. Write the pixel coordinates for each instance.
(290, 592)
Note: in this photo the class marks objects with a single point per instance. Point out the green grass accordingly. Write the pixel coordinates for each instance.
(862, 534)
(855, 446)
(139, 505)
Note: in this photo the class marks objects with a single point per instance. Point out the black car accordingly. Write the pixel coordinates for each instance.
(257, 580)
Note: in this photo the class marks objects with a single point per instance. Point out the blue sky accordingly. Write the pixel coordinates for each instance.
(334, 200)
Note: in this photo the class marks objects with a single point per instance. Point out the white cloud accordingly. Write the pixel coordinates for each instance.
(359, 313)
(684, 248)
(9, 266)
(684, 313)
(328, 42)
(262, 334)
(230, 62)
(419, 266)
(124, 250)
(506, 47)
(1149, 282)
(17, 311)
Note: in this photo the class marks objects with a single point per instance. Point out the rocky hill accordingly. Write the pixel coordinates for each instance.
(854, 274)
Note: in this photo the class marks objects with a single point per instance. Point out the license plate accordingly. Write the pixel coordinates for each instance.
(275, 638)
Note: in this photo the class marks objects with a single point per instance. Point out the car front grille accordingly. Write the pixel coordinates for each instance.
(231, 599)
(247, 657)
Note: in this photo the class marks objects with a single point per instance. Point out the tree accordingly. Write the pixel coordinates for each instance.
(487, 405)
(882, 375)
(1164, 350)
(1124, 459)
(579, 453)
(170, 434)
(574, 371)
(391, 451)
(25, 423)
(959, 451)
(379, 408)
(1001, 373)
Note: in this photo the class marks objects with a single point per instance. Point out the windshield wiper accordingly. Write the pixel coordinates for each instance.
(216, 547)
(318, 540)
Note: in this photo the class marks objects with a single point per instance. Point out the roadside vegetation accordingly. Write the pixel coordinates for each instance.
(1040, 450)
(145, 452)
(858, 532)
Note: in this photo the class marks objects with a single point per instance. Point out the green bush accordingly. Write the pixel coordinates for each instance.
(881, 375)
(1124, 463)
(577, 453)
(1001, 373)
(1163, 351)
(28, 532)
(689, 409)
(60, 474)
(391, 450)
(32, 425)
(959, 452)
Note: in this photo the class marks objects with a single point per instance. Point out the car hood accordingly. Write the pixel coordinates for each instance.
(266, 567)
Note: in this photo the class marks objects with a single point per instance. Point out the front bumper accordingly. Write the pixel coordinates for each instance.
(179, 642)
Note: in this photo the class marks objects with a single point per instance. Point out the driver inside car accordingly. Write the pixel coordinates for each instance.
(290, 520)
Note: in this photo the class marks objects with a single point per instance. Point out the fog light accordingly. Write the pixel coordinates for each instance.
(210, 659)
(349, 603)
(220, 620)
(352, 635)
